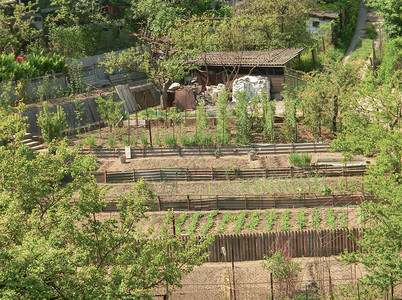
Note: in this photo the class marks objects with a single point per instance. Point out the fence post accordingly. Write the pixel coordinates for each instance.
(159, 202)
(245, 202)
(186, 174)
(272, 287)
(105, 177)
(217, 202)
(188, 202)
(212, 173)
(133, 175)
(160, 175)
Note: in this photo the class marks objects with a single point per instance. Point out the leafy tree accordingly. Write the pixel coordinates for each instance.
(391, 11)
(51, 123)
(17, 30)
(243, 133)
(55, 245)
(109, 110)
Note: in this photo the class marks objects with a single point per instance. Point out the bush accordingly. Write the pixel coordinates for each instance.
(112, 142)
(370, 31)
(144, 140)
(90, 141)
(51, 123)
(299, 159)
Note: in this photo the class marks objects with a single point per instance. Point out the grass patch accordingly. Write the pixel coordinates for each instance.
(255, 218)
(299, 159)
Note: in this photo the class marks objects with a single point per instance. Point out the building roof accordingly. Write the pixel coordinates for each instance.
(263, 58)
(324, 14)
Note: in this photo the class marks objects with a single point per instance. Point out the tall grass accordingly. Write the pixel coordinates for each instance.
(299, 159)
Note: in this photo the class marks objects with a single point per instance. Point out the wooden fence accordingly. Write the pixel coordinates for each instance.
(250, 202)
(163, 175)
(259, 149)
(303, 243)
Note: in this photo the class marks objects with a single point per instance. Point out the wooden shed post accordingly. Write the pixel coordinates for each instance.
(188, 202)
(159, 202)
(105, 177)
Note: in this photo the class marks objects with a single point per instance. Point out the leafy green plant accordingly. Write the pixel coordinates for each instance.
(181, 219)
(300, 159)
(301, 217)
(285, 221)
(51, 123)
(271, 216)
(316, 220)
(194, 222)
(90, 141)
(255, 218)
(109, 110)
(243, 133)
(343, 220)
(226, 218)
(133, 141)
(170, 140)
(124, 141)
(370, 31)
(239, 221)
(331, 218)
(144, 140)
(209, 223)
(112, 142)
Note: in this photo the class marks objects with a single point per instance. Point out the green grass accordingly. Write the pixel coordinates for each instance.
(284, 221)
(239, 221)
(209, 223)
(301, 217)
(362, 51)
(194, 222)
(226, 218)
(271, 216)
(299, 159)
(255, 218)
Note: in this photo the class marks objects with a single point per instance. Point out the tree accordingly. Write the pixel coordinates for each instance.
(54, 244)
(109, 110)
(17, 30)
(222, 126)
(391, 11)
(243, 133)
(157, 58)
(51, 123)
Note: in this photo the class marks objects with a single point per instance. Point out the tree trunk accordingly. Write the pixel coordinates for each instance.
(163, 94)
(335, 115)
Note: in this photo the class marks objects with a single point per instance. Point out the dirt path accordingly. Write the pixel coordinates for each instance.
(359, 31)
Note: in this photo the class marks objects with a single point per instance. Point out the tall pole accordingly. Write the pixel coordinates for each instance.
(233, 276)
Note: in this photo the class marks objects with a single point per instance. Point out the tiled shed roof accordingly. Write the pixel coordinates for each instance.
(263, 58)
(324, 14)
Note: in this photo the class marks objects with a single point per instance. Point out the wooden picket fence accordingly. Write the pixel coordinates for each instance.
(261, 149)
(303, 243)
(251, 202)
(163, 175)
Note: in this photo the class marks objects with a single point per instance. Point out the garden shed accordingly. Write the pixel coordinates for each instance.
(224, 67)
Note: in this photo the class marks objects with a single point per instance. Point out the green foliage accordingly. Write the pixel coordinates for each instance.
(300, 159)
(222, 127)
(301, 217)
(239, 221)
(351, 8)
(51, 123)
(290, 121)
(370, 31)
(109, 110)
(201, 118)
(193, 222)
(36, 64)
(170, 140)
(112, 142)
(316, 220)
(283, 271)
(343, 220)
(255, 218)
(269, 118)
(284, 221)
(209, 223)
(391, 59)
(391, 13)
(331, 218)
(226, 218)
(144, 140)
(76, 84)
(243, 133)
(271, 216)
(180, 222)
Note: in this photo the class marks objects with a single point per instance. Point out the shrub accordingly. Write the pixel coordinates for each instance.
(51, 123)
(112, 142)
(299, 159)
(124, 140)
(90, 141)
(370, 31)
(144, 140)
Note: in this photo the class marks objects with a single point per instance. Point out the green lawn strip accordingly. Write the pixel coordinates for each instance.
(239, 221)
(209, 223)
(301, 217)
(194, 222)
(284, 221)
(255, 218)
(271, 216)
